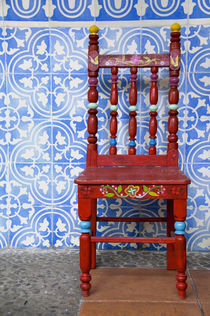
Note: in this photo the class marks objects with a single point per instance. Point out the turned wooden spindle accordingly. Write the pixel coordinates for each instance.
(113, 120)
(84, 210)
(173, 92)
(180, 211)
(181, 276)
(85, 277)
(153, 111)
(92, 125)
(132, 113)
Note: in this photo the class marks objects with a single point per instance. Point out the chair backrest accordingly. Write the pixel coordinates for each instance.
(152, 61)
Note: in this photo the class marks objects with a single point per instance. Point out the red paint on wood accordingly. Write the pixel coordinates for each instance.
(153, 114)
(114, 91)
(92, 155)
(138, 60)
(180, 210)
(170, 192)
(93, 230)
(84, 209)
(173, 92)
(158, 175)
(173, 157)
(181, 265)
(133, 175)
(154, 88)
(131, 219)
(93, 60)
(113, 101)
(132, 114)
(85, 261)
(158, 240)
(92, 124)
(138, 160)
(171, 255)
(113, 124)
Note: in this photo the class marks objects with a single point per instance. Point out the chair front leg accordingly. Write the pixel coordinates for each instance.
(180, 216)
(84, 207)
(171, 256)
(93, 230)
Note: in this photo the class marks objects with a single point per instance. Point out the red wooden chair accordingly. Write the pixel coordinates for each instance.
(156, 176)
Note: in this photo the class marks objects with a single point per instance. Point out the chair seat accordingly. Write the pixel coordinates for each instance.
(132, 175)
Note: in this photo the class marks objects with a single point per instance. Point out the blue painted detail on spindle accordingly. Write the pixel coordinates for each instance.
(152, 142)
(153, 107)
(85, 227)
(114, 107)
(92, 105)
(173, 106)
(132, 108)
(132, 143)
(180, 228)
(113, 142)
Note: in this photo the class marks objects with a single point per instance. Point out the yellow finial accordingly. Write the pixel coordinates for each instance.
(93, 29)
(175, 27)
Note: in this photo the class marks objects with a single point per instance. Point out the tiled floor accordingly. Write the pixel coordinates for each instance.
(37, 282)
(138, 291)
(145, 290)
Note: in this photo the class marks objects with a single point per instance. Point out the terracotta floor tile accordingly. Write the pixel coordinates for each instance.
(136, 309)
(206, 309)
(201, 279)
(142, 285)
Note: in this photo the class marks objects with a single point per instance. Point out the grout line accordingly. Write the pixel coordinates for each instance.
(195, 291)
(135, 301)
(80, 305)
(113, 23)
(51, 143)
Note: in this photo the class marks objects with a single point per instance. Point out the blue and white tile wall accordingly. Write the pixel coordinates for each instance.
(43, 112)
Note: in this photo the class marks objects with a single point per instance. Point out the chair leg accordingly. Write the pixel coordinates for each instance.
(171, 255)
(93, 229)
(181, 277)
(180, 216)
(85, 254)
(84, 208)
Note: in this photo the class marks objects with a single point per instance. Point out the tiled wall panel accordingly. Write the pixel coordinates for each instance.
(43, 113)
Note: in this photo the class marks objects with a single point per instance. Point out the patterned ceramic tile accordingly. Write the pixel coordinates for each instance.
(197, 8)
(199, 52)
(65, 89)
(1, 11)
(30, 10)
(114, 208)
(119, 40)
(43, 114)
(66, 229)
(35, 179)
(4, 118)
(197, 130)
(28, 50)
(73, 10)
(65, 55)
(35, 230)
(63, 186)
(117, 10)
(5, 211)
(163, 9)
(68, 146)
(102, 10)
(197, 229)
(2, 51)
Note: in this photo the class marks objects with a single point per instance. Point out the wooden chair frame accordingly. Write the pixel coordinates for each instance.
(156, 177)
